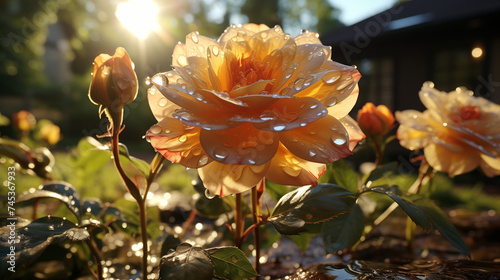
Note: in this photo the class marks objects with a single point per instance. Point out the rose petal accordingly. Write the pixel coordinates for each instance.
(341, 109)
(490, 166)
(414, 131)
(324, 140)
(217, 120)
(243, 144)
(223, 179)
(233, 31)
(354, 131)
(160, 105)
(261, 101)
(255, 88)
(287, 169)
(178, 144)
(179, 56)
(290, 113)
(442, 159)
(307, 38)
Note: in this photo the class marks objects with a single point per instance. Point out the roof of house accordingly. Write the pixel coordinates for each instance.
(418, 15)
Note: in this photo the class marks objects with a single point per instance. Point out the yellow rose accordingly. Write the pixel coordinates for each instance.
(375, 120)
(255, 103)
(458, 131)
(114, 83)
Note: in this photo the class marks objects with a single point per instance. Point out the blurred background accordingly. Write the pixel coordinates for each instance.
(48, 46)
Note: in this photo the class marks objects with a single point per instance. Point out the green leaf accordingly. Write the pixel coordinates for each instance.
(276, 191)
(231, 263)
(302, 241)
(380, 171)
(310, 205)
(343, 231)
(62, 191)
(36, 237)
(424, 212)
(140, 164)
(441, 222)
(212, 208)
(168, 244)
(343, 175)
(186, 263)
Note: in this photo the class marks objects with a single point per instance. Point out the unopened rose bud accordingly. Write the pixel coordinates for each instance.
(24, 120)
(114, 82)
(375, 120)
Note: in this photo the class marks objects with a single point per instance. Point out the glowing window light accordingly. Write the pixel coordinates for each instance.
(477, 52)
(138, 16)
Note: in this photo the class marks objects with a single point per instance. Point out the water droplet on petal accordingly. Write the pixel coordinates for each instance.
(263, 35)
(203, 160)
(148, 81)
(314, 106)
(428, 84)
(209, 195)
(182, 60)
(298, 83)
(312, 152)
(338, 141)
(332, 100)
(268, 116)
(194, 37)
(285, 91)
(155, 129)
(215, 50)
(183, 138)
(331, 77)
(163, 102)
(279, 127)
(220, 153)
(303, 31)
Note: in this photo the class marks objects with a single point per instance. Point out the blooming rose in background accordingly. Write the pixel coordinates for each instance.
(114, 82)
(458, 131)
(375, 120)
(255, 103)
(24, 120)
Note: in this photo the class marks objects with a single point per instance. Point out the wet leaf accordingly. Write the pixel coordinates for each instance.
(170, 243)
(441, 222)
(343, 231)
(186, 263)
(140, 164)
(36, 236)
(62, 191)
(343, 175)
(424, 212)
(380, 171)
(231, 263)
(212, 208)
(310, 205)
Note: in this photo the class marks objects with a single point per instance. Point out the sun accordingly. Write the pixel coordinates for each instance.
(138, 16)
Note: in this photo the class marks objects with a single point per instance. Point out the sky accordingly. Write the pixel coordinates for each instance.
(353, 11)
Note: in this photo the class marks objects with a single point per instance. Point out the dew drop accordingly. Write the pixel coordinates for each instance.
(220, 153)
(298, 83)
(263, 35)
(51, 227)
(155, 129)
(183, 138)
(268, 116)
(332, 100)
(338, 141)
(203, 160)
(182, 60)
(331, 77)
(304, 31)
(147, 81)
(163, 102)
(312, 153)
(194, 37)
(208, 194)
(285, 91)
(279, 127)
(428, 84)
(314, 106)
(215, 50)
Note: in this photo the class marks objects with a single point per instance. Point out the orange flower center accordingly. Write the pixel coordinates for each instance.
(246, 71)
(465, 113)
(470, 112)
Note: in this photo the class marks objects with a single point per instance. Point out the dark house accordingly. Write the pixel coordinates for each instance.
(450, 42)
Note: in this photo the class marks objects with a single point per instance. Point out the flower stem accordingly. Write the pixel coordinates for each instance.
(239, 222)
(144, 237)
(97, 258)
(256, 232)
